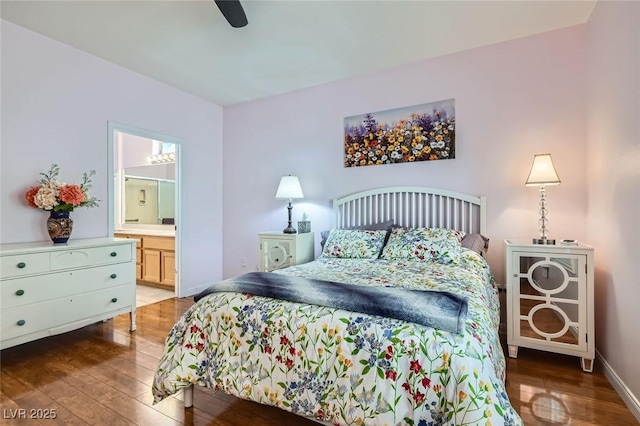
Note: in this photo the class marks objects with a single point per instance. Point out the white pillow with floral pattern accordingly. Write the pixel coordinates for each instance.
(354, 243)
(426, 244)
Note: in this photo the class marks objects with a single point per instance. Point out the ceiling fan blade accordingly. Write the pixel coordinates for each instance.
(233, 12)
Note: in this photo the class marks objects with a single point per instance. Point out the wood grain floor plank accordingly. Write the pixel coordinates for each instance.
(82, 405)
(117, 380)
(92, 386)
(134, 410)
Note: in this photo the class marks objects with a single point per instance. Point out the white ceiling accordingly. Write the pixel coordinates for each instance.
(287, 45)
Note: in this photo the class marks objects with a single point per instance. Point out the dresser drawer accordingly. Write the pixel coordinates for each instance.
(90, 256)
(33, 289)
(49, 315)
(23, 264)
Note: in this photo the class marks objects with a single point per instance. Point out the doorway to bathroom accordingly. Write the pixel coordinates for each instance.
(144, 200)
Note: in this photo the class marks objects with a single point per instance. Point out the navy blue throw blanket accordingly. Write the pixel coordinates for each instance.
(438, 309)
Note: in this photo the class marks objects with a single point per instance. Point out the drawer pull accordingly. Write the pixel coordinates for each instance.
(21, 323)
(114, 300)
(114, 254)
(19, 292)
(113, 276)
(21, 265)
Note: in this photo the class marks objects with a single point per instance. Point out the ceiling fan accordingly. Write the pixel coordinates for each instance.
(233, 12)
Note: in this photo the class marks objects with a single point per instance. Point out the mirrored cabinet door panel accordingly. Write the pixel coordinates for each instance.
(549, 299)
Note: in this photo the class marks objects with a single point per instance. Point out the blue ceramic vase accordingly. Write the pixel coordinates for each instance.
(59, 225)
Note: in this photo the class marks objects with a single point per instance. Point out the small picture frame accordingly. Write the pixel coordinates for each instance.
(304, 226)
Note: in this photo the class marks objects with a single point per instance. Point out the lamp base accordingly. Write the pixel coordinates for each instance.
(289, 229)
(544, 241)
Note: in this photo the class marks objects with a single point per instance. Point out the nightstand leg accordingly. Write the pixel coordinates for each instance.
(188, 396)
(587, 364)
(513, 351)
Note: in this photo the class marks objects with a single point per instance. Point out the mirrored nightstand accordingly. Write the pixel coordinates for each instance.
(279, 250)
(550, 299)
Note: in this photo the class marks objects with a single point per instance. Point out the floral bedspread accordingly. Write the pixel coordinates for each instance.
(348, 368)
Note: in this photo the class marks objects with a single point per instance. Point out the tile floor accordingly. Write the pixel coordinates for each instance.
(146, 295)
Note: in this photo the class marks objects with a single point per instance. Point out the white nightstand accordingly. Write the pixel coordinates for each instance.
(279, 250)
(550, 299)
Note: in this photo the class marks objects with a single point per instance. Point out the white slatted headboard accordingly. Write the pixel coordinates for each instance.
(412, 206)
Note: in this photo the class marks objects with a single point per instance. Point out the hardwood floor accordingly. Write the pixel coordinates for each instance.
(102, 374)
(551, 389)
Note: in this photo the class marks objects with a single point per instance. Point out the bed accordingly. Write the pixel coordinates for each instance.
(339, 366)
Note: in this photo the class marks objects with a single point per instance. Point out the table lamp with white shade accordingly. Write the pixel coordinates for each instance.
(289, 189)
(543, 174)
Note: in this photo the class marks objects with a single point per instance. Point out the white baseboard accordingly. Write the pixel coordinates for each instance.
(625, 393)
(196, 290)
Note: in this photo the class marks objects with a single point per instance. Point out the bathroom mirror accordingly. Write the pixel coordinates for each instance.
(149, 195)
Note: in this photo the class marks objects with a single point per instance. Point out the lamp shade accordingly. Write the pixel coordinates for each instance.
(542, 171)
(289, 188)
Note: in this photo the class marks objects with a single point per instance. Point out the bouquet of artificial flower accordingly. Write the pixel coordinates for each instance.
(58, 196)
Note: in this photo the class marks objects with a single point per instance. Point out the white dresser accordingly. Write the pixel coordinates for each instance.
(49, 289)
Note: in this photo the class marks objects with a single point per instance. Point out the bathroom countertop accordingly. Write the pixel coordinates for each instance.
(150, 232)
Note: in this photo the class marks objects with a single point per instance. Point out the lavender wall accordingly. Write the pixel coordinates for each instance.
(613, 186)
(513, 100)
(56, 102)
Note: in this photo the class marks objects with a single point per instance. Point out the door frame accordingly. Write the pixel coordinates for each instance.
(114, 127)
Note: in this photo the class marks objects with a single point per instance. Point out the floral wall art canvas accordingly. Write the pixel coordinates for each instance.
(402, 135)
